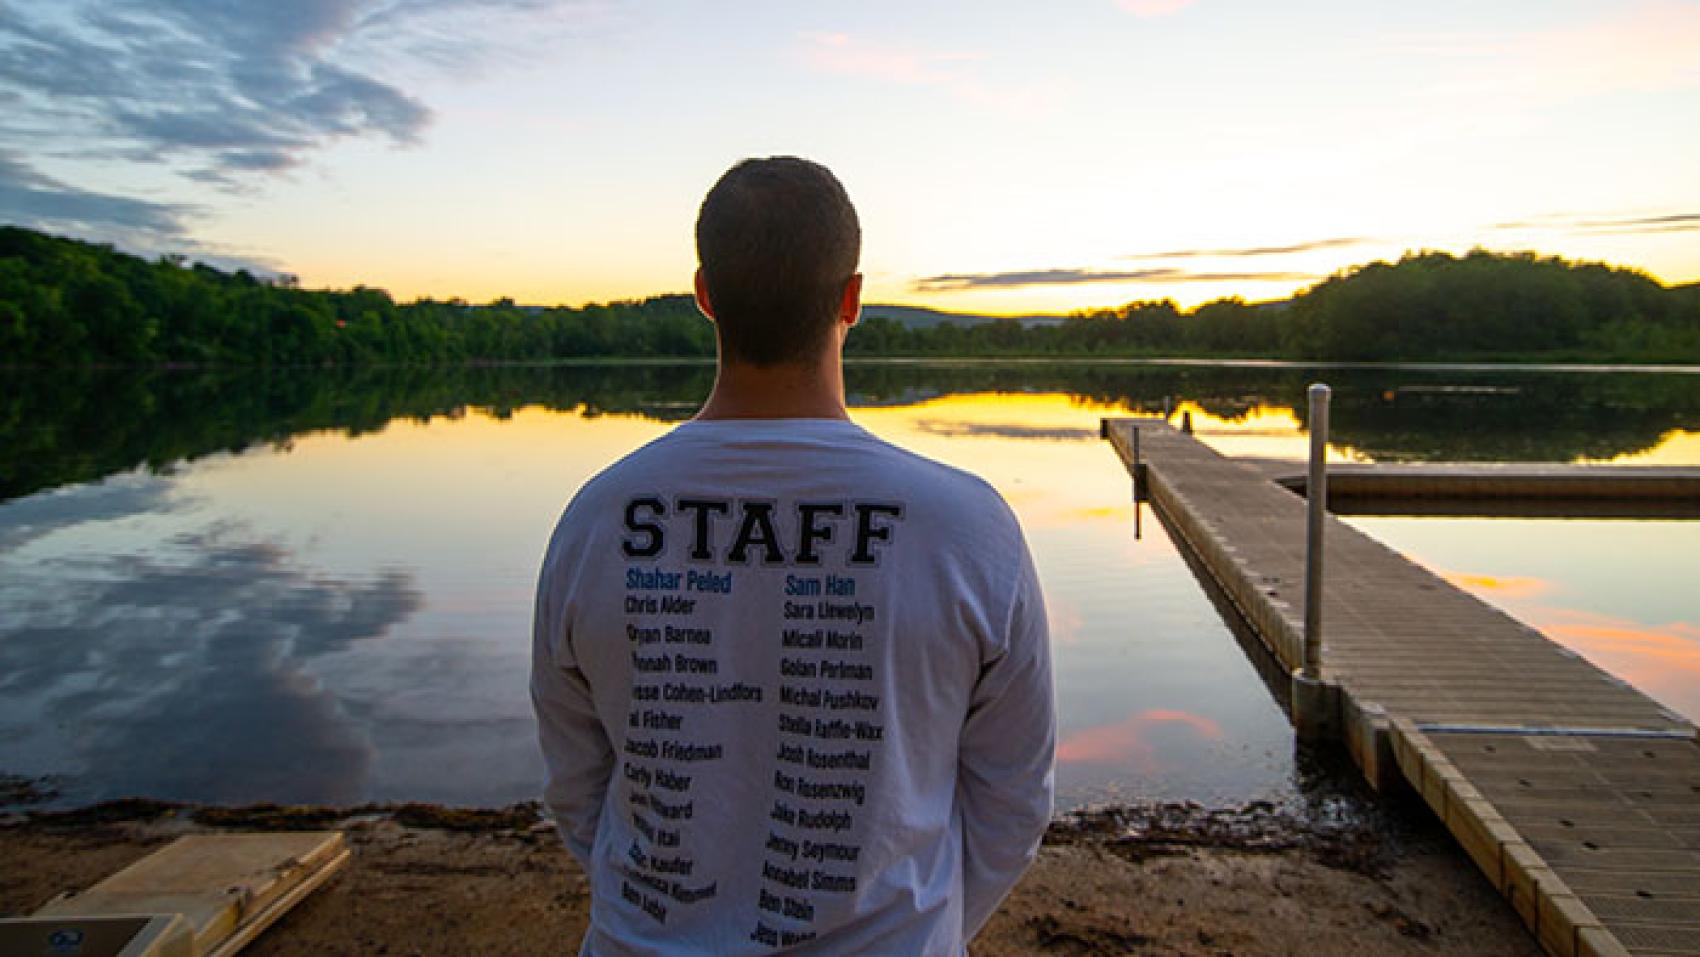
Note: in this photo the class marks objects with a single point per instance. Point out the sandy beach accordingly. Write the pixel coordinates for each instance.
(1155, 879)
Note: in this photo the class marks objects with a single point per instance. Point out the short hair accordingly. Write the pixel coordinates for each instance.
(778, 240)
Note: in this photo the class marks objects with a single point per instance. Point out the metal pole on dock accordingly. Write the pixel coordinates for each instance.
(1138, 498)
(1316, 495)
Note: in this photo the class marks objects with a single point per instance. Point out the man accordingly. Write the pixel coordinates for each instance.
(792, 683)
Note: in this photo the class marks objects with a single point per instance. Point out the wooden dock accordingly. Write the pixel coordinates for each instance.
(1577, 795)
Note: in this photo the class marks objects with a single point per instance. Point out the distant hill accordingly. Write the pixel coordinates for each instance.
(917, 317)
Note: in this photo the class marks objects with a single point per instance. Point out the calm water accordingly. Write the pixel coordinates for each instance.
(316, 587)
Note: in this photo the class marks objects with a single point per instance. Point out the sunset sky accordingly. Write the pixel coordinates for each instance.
(1006, 157)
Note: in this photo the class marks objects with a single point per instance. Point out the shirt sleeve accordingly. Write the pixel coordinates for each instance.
(1006, 763)
(577, 756)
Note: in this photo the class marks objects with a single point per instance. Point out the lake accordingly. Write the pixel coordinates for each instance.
(316, 585)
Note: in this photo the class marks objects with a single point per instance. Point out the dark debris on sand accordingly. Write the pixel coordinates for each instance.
(1134, 832)
(1139, 832)
(525, 817)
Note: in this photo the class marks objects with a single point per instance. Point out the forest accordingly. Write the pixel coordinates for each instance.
(64, 302)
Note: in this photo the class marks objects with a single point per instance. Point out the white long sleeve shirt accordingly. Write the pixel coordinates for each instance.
(794, 694)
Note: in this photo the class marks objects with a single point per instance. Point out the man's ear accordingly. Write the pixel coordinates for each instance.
(850, 307)
(703, 305)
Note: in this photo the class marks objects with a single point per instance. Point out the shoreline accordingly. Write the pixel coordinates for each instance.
(1532, 363)
(1170, 878)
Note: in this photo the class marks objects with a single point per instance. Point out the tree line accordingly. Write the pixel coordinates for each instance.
(65, 303)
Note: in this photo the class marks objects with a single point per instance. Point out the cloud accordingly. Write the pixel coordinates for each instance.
(842, 53)
(1251, 251)
(222, 93)
(1641, 47)
(955, 282)
(1157, 275)
(1153, 8)
(1689, 220)
(1608, 224)
(31, 198)
(955, 72)
(226, 90)
(230, 88)
(1644, 47)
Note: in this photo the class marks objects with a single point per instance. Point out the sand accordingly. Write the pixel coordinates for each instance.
(1163, 879)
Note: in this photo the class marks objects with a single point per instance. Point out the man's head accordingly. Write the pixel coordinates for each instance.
(778, 242)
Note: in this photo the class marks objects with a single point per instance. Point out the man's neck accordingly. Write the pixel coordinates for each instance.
(783, 391)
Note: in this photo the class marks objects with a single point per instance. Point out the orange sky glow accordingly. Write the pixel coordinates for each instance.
(1005, 159)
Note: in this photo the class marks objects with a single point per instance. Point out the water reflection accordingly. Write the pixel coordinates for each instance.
(316, 586)
(1663, 660)
(1129, 742)
(1620, 593)
(180, 672)
(60, 428)
(1005, 430)
(1136, 642)
(207, 648)
(1500, 586)
(118, 497)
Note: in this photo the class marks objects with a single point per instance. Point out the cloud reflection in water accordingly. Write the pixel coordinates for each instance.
(1004, 430)
(120, 496)
(181, 674)
(1659, 659)
(1131, 741)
